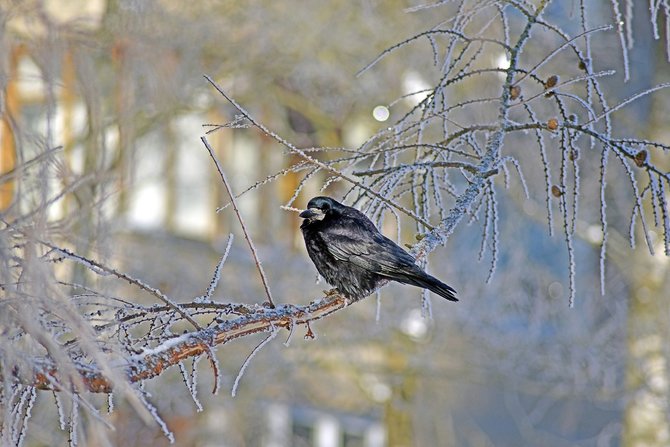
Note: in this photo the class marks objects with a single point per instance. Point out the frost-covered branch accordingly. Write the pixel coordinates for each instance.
(247, 236)
(151, 362)
(308, 158)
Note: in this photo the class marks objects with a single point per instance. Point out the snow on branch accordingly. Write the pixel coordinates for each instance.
(151, 362)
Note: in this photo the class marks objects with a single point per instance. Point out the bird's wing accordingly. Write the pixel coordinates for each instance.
(371, 251)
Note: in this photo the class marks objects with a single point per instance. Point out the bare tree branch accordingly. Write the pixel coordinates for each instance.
(247, 236)
(153, 362)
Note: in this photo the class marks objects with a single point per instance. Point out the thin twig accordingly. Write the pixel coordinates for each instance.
(430, 165)
(314, 161)
(560, 47)
(101, 269)
(251, 355)
(247, 236)
(627, 101)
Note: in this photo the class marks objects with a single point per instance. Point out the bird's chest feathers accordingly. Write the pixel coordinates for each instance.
(318, 234)
(345, 251)
(318, 237)
(315, 243)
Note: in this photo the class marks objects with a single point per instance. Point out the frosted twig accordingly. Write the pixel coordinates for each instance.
(569, 42)
(485, 230)
(300, 185)
(247, 236)
(573, 156)
(428, 33)
(217, 272)
(27, 410)
(154, 413)
(666, 217)
(22, 402)
(188, 383)
(74, 421)
(253, 353)
(425, 6)
(295, 168)
(624, 103)
(216, 369)
(622, 38)
(546, 169)
(522, 179)
(418, 165)
(638, 204)
(409, 95)
(568, 230)
(310, 159)
(653, 9)
(236, 123)
(194, 382)
(494, 231)
(190, 386)
(60, 410)
(651, 187)
(98, 267)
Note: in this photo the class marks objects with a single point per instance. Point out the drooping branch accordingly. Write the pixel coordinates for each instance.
(489, 161)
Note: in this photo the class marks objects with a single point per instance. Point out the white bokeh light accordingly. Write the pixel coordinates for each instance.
(502, 61)
(415, 325)
(415, 87)
(381, 113)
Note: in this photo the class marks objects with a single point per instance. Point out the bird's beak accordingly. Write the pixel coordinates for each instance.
(312, 214)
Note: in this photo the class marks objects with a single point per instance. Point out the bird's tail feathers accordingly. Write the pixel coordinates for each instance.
(433, 284)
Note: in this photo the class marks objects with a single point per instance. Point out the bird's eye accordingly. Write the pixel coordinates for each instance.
(325, 207)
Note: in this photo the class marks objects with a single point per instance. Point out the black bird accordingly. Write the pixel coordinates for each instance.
(352, 255)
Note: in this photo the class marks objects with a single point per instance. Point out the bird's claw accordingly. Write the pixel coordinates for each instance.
(331, 293)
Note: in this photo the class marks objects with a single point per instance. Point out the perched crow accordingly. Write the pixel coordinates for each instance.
(352, 255)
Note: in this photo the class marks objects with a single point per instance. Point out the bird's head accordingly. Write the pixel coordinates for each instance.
(321, 207)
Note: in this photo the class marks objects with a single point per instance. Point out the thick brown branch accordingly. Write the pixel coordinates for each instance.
(155, 361)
